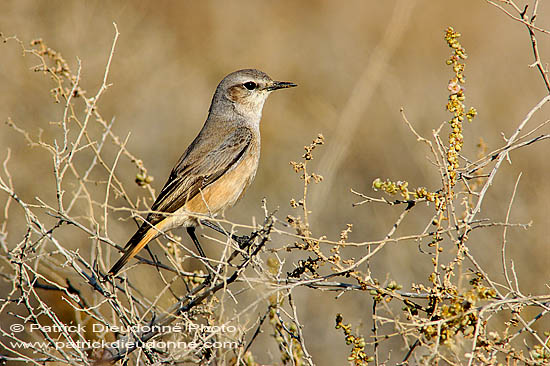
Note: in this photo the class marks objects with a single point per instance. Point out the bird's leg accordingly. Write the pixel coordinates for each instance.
(241, 240)
(191, 232)
(214, 226)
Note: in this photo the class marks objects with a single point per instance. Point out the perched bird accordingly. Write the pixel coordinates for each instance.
(214, 171)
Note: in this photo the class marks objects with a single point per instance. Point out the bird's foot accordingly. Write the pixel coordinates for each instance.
(209, 279)
(243, 240)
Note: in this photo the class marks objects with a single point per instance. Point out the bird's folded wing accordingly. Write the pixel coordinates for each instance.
(196, 171)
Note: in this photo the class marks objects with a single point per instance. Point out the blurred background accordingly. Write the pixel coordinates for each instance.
(356, 65)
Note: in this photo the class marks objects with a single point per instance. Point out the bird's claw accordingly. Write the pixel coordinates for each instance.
(242, 240)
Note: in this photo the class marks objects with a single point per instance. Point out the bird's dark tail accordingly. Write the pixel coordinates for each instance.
(140, 239)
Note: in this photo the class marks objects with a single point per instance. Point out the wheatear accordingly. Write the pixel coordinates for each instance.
(214, 171)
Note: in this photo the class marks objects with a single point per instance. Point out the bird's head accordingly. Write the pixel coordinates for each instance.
(246, 91)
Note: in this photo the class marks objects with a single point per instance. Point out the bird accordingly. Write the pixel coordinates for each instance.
(216, 168)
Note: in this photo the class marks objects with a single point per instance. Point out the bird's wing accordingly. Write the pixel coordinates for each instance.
(196, 171)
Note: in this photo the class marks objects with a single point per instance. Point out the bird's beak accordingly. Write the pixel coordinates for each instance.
(280, 85)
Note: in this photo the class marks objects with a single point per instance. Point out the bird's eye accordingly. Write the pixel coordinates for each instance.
(250, 85)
